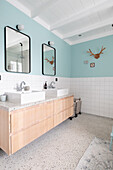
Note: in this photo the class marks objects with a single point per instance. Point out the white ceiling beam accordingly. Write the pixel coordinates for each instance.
(42, 22)
(101, 6)
(69, 42)
(20, 7)
(90, 28)
(44, 7)
(57, 34)
(103, 34)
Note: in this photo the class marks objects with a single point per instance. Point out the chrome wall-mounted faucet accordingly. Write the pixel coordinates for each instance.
(51, 86)
(21, 87)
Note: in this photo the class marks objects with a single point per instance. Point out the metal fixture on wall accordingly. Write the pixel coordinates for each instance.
(20, 27)
(50, 43)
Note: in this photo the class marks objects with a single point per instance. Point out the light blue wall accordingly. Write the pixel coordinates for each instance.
(103, 65)
(69, 59)
(11, 16)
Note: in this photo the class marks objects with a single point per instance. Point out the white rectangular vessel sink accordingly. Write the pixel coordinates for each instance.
(25, 97)
(56, 92)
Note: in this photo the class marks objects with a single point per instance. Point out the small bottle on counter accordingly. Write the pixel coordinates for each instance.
(45, 85)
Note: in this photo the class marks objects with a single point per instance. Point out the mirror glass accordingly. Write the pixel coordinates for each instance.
(17, 51)
(48, 60)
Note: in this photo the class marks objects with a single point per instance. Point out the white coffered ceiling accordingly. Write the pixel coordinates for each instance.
(74, 21)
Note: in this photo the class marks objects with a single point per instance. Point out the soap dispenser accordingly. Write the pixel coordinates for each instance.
(45, 85)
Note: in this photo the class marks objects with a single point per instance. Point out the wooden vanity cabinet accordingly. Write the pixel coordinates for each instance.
(22, 126)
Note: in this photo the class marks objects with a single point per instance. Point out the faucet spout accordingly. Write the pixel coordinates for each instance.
(21, 87)
(51, 86)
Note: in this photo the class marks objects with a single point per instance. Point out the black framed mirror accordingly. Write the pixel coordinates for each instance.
(17, 51)
(48, 60)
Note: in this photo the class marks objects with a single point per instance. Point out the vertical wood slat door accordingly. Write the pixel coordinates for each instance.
(23, 118)
(43, 122)
(58, 106)
(58, 118)
(26, 136)
(4, 130)
(68, 102)
(63, 109)
(71, 101)
(48, 109)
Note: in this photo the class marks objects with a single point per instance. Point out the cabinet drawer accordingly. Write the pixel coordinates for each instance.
(58, 106)
(68, 102)
(49, 124)
(65, 115)
(70, 111)
(48, 109)
(58, 118)
(62, 104)
(23, 118)
(71, 101)
(26, 136)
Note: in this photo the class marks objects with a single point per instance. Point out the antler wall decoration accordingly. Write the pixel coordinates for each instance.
(50, 61)
(98, 54)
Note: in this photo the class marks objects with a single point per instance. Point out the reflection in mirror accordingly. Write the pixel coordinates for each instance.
(48, 60)
(17, 51)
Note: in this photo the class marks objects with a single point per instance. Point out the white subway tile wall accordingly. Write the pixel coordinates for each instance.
(9, 80)
(96, 95)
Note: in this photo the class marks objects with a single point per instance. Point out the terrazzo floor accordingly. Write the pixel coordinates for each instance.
(61, 148)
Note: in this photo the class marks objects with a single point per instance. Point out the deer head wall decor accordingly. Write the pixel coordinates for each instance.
(96, 55)
(51, 62)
